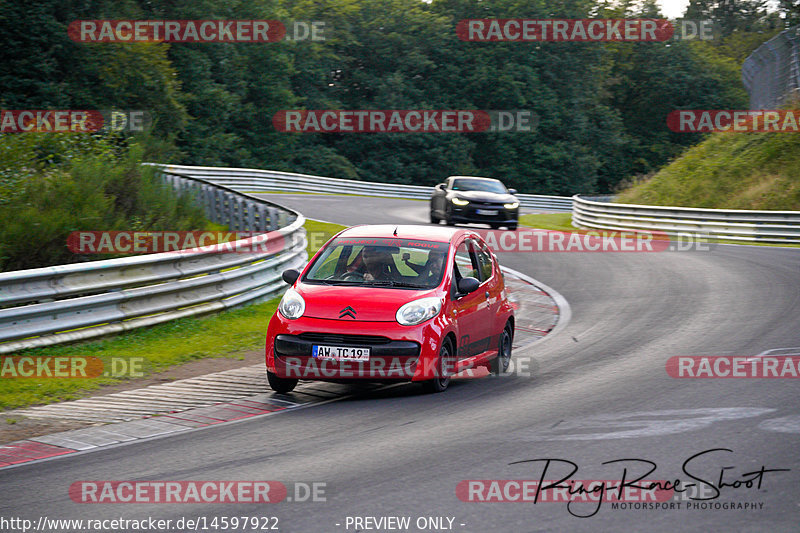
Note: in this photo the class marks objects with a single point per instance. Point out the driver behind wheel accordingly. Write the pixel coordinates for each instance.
(378, 264)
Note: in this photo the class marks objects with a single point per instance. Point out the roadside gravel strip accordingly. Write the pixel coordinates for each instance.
(238, 394)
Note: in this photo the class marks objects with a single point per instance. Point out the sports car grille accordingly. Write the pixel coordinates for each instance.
(486, 205)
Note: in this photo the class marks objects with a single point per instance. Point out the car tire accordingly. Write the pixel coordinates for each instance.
(279, 384)
(499, 364)
(494, 226)
(512, 227)
(434, 218)
(440, 382)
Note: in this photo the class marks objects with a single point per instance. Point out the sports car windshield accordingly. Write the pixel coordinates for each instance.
(466, 184)
(380, 262)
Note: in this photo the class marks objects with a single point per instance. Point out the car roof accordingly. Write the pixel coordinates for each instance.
(406, 231)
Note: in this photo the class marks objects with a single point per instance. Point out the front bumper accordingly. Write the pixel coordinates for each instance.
(476, 212)
(397, 353)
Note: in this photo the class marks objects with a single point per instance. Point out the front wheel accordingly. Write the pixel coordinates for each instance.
(512, 227)
(279, 384)
(500, 363)
(434, 218)
(442, 379)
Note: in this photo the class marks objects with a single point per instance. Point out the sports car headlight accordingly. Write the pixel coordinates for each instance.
(459, 201)
(292, 305)
(418, 311)
(512, 205)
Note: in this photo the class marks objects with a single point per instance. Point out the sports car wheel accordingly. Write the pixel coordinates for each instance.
(434, 218)
(279, 384)
(441, 381)
(512, 227)
(500, 363)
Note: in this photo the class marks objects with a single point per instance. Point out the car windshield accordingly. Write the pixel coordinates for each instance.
(380, 262)
(471, 184)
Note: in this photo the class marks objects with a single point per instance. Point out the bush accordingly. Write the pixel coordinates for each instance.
(53, 185)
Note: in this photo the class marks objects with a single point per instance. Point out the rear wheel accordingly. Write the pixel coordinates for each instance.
(512, 227)
(279, 384)
(434, 218)
(499, 364)
(442, 379)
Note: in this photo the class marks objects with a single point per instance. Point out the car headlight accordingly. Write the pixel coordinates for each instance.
(292, 305)
(459, 201)
(419, 311)
(512, 205)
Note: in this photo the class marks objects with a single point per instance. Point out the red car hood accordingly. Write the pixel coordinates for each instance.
(367, 303)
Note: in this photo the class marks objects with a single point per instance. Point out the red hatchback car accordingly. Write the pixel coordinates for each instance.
(392, 303)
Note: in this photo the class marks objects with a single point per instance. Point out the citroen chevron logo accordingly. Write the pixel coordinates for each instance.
(347, 311)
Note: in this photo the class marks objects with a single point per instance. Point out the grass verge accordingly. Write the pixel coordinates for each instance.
(728, 171)
(552, 221)
(228, 334)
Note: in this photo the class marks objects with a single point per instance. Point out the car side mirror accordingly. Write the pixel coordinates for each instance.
(441, 186)
(512, 191)
(468, 285)
(290, 276)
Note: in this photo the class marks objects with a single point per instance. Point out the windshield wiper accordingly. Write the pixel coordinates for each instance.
(390, 283)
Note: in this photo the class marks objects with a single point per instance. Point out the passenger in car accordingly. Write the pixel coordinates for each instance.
(429, 272)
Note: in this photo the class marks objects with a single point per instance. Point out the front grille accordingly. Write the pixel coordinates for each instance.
(337, 338)
(486, 205)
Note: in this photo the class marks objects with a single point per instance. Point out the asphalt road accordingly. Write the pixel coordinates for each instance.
(598, 392)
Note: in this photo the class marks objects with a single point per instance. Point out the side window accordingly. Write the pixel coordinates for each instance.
(485, 262)
(466, 264)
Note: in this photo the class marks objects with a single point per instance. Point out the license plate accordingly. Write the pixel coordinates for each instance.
(486, 211)
(340, 353)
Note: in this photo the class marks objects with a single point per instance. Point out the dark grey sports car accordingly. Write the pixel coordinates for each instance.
(472, 199)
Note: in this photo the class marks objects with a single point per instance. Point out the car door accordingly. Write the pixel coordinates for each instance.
(492, 290)
(471, 309)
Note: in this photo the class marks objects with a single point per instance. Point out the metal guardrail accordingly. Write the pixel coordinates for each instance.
(254, 180)
(729, 224)
(772, 72)
(51, 305)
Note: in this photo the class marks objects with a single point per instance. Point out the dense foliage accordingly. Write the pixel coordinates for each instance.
(56, 183)
(601, 107)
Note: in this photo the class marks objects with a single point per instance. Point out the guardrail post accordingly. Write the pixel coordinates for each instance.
(273, 219)
(261, 214)
(208, 202)
(239, 220)
(251, 217)
(219, 207)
